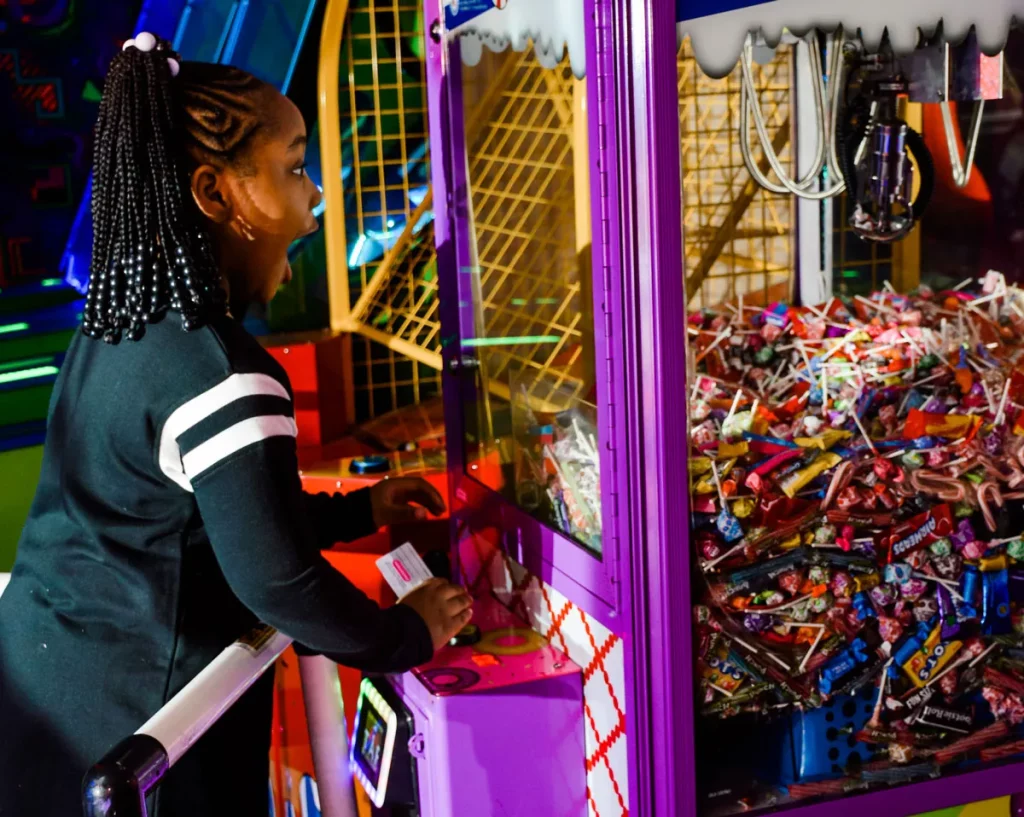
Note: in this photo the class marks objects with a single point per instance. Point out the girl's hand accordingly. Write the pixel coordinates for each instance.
(391, 500)
(446, 608)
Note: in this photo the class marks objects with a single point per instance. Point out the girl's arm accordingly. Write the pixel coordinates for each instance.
(259, 524)
(339, 517)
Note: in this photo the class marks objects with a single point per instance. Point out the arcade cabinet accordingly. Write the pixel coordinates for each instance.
(787, 143)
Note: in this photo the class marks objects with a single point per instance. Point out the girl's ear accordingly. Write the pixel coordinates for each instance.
(210, 195)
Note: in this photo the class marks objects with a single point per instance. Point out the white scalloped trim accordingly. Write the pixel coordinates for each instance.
(718, 38)
(554, 27)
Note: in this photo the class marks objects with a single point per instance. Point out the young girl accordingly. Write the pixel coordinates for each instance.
(169, 517)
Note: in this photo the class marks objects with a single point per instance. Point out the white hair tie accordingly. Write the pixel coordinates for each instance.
(146, 42)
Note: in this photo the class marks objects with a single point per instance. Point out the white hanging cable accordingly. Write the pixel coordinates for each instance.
(835, 91)
(962, 170)
(826, 110)
(748, 104)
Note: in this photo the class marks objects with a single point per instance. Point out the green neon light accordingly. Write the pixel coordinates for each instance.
(547, 300)
(52, 282)
(519, 302)
(28, 374)
(7, 328)
(26, 363)
(512, 341)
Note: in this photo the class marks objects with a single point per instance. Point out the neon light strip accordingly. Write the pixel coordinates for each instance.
(298, 49)
(28, 374)
(7, 328)
(52, 282)
(512, 341)
(25, 363)
(179, 35)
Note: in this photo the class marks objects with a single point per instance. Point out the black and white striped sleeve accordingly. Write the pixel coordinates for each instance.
(233, 446)
(241, 410)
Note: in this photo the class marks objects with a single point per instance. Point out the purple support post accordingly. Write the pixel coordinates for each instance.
(660, 677)
(444, 179)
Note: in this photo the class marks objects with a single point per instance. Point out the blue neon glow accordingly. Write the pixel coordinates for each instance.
(310, 8)
(353, 257)
(241, 9)
(179, 34)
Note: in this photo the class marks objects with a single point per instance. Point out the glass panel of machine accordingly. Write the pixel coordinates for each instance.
(527, 321)
(856, 461)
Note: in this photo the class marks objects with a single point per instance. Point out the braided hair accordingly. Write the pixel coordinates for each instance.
(151, 249)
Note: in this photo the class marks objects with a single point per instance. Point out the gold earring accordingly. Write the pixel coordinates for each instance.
(245, 227)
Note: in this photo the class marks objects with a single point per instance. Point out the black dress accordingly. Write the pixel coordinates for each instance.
(168, 521)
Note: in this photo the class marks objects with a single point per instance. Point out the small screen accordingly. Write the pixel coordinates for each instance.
(373, 741)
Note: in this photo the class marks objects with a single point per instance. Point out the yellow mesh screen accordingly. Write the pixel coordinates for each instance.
(533, 280)
(404, 305)
(737, 237)
(384, 126)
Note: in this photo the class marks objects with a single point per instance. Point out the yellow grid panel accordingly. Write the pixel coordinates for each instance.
(737, 237)
(519, 123)
(402, 303)
(383, 108)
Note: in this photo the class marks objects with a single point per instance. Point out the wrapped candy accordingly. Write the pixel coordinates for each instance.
(819, 575)
(898, 572)
(941, 547)
(949, 566)
(925, 609)
(889, 629)
(973, 550)
(963, 534)
(848, 542)
(841, 585)
(913, 589)
(883, 595)
(790, 581)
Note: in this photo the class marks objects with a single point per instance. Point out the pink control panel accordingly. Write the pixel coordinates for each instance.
(507, 653)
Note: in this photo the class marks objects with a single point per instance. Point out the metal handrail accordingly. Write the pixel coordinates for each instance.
(118, 784)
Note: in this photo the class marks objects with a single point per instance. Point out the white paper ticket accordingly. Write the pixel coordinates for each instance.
(404, 570)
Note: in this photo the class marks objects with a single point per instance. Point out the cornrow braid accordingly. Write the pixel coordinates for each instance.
(151, 249)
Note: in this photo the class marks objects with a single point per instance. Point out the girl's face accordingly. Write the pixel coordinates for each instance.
(262, 204)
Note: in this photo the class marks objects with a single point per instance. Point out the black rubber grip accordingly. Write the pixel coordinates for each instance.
(117, 785)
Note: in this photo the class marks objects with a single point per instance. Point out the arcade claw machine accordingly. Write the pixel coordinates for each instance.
(732, 363)
(852, 524)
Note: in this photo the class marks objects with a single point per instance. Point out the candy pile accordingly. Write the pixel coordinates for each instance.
(557, 474)
(856, 476)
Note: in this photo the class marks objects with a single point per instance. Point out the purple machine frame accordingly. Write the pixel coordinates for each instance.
(641, 588)
(633, 589)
